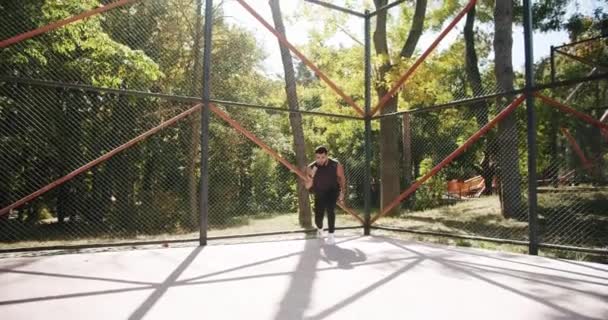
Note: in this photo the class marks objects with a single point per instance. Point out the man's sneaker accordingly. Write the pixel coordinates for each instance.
(320, 233)
(330, 239)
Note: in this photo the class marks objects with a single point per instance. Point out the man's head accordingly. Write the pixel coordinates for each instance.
(321, 155)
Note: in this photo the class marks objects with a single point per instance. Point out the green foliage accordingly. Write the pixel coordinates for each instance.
(431, 193)
(150, 46)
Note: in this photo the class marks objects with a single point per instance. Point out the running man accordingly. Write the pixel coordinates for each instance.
(327, 182)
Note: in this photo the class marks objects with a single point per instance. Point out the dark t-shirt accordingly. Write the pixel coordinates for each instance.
(326, 178)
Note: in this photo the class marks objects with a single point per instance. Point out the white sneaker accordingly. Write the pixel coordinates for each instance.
(320, 233)
(330, 239)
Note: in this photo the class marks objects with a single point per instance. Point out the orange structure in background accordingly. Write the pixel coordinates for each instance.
(470, 188)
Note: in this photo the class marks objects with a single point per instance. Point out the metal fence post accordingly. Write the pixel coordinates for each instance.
(205, 124)
(532, 180)
(368, 126)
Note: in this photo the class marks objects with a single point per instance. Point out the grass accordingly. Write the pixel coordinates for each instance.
(568, 217)
(493, 246)
(273, 222)
(475, 217)
(572, 217)
(74, 234)
(575, 216)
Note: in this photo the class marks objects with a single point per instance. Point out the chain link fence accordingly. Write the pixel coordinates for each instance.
(252, 192)
(49, 133)
(572, 189)
(126, 47)
(479, 193)
(579, 59)
(100, 131)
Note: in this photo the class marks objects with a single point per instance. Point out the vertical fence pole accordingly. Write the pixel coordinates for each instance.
(203, 226)
(368, 127)
(532, 180)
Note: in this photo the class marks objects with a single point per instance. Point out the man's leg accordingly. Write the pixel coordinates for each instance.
(319, 211)
(331, 199)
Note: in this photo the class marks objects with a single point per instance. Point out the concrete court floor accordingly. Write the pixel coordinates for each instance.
(359, 278)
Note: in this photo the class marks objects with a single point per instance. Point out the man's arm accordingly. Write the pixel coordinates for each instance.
(342, 182)
(310, 174)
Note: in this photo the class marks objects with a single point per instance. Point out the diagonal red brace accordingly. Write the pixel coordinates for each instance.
(583, 116)
(476, 136)
(61, 23)
(99, 160)
(421, 59)
(577, 149)
(302, 57)
(224, 116)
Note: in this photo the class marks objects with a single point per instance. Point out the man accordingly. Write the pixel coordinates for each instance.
(327, 182)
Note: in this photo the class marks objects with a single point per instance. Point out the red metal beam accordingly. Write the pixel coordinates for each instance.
(476, 136)
(583, 116)
(61, 23)
(421, 59)
(237, 126)
(302, 57)
(577, 149)
(99, 160)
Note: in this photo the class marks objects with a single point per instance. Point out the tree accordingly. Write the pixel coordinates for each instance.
(295, 119)
(389, 145)
(586, 97)
(195, 122)
(480, 109)
(508, 142)
(548, 15)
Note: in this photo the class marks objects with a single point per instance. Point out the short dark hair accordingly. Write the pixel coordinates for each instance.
(321, 150)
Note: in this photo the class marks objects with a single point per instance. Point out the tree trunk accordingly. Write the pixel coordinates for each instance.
(406, 52)
(101, 192)
(295, 119)
(554, 151)
(63, 192)
(389, 146)
(6, 176)
(508, 156)
(70, 198)
(407, 156)
(480, 109)
(596, 142)
(122, 166)
(389, 127)
(602, 100)
(195, 124)
(416, 29)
